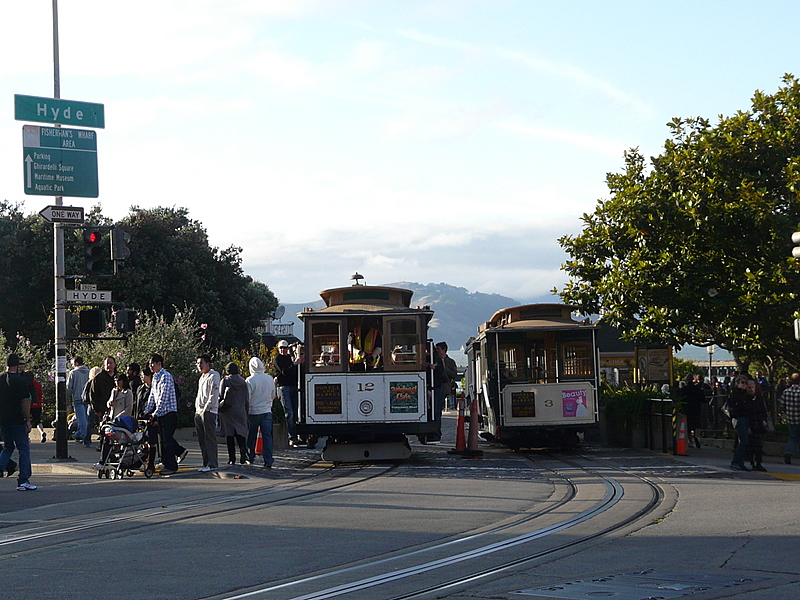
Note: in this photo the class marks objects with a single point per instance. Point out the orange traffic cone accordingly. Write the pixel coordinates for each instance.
(461, 441)
(680, 441)
(472, 448)
(259, 443)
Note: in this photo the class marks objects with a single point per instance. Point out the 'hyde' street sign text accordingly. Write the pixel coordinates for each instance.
(64, 112)
(88, 297)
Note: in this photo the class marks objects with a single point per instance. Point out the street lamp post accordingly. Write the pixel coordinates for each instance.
(710, 349)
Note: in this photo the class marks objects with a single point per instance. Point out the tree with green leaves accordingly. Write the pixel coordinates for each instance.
(172, 266)
(695, 248)
(26, 277)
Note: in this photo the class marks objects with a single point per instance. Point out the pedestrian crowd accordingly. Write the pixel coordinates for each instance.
(742, 401)
(227, 405)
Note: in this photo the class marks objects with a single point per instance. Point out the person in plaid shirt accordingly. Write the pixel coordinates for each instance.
(163, 405)
(791, 410)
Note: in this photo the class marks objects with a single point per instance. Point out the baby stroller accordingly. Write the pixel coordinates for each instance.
(124, 448)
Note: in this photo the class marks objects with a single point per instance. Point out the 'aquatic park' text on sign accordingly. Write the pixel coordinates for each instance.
(60, 161)
(55, 110)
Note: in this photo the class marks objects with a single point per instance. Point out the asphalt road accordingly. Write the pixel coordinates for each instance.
(600, 522)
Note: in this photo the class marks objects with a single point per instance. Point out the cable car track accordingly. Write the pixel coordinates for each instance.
(442, 559)
(191, 509)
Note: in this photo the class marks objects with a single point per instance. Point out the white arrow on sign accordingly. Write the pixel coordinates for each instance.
(28, 161)
(62, 214)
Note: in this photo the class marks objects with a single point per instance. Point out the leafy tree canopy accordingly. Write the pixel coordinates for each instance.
(696, 248)
(172, 267)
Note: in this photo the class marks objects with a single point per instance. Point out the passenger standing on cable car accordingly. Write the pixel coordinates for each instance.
(284, 368)
(444, 372)
(365, 345)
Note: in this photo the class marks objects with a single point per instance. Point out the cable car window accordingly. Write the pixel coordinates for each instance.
(404, 341)
(325, 351)
(577, 359)
(365, 343)
(512, 362)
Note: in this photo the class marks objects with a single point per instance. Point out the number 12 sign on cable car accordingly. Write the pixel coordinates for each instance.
(60, 161)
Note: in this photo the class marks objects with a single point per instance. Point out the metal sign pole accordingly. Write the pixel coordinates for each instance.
(62, 451)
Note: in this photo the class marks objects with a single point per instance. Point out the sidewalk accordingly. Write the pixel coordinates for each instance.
(82, 459)
(717, 458)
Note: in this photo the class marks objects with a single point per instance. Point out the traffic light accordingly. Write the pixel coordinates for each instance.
(125, 320)
(92, 320)
(93, 262)
(119, 244)
(796, 240)
(72, 322)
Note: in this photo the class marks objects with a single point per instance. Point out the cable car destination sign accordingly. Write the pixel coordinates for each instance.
(60, 161)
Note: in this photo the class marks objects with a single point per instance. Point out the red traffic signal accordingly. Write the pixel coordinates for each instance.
(93, 262)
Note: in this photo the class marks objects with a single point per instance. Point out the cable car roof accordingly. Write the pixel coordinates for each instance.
(367, 298)
(535, 316)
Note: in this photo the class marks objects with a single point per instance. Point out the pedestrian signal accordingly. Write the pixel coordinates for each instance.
(125, 320)
(92, 320)
(72, 325)
(119, 244)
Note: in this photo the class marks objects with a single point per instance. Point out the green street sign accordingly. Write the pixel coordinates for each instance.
(60, 162)
(64, 112)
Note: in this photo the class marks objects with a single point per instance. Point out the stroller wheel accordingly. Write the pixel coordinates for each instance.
(112, 474)
(99, 473)
(120, 473)
(129, 473)
(108, 476)
(148, 473)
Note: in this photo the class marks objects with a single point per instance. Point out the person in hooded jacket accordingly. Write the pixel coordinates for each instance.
(234, 406)
(261, 388)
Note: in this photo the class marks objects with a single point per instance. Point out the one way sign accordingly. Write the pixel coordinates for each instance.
(62, 214)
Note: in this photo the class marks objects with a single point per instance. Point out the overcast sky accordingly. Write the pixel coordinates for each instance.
(430, 141)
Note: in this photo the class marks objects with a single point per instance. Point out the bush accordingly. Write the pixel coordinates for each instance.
(625, 406)
(179, 341)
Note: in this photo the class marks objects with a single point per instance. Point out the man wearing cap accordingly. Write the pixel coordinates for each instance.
(15, 422)
(163, 405)
(284, 367)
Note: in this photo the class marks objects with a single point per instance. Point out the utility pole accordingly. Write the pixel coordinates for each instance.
(60, 295)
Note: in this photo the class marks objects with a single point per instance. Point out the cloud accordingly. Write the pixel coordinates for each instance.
(518, 259)
(285, 71)
(581, 140)
(538, 63)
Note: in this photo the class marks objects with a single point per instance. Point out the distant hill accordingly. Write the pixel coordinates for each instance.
(457, 312)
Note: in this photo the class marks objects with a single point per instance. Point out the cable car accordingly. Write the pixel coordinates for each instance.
(534, 371)
(366, 381)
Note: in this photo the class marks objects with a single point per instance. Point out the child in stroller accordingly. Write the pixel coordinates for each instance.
(123, 448)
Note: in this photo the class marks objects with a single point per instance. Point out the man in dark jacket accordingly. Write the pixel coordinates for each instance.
(284, 367)
(102, 386)
(15, 422)
(444, 373)
(741, 408)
